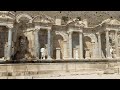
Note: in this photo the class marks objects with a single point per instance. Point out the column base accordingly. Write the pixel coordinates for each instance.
(37, 57)
(81, 58)
(2, 59)
(49, 58)
(65, 58)
(117, 57)
(70, 58)
(8, 59)
(109, 57)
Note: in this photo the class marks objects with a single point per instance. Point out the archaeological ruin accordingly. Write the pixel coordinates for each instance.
(40, 37)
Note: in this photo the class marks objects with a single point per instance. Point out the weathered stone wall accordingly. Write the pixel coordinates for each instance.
(39, 68)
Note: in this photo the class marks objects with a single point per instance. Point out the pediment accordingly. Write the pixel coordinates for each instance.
(111, 22)
(76, 22)
(6, 16)
(114, 22)
(44, 19)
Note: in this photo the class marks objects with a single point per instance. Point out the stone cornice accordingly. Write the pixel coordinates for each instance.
(9, 25)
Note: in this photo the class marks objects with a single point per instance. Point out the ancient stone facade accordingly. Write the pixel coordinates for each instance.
(40, 37)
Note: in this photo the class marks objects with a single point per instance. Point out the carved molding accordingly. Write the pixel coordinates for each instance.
(7, 25)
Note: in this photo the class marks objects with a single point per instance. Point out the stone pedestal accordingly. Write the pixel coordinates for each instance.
(58, 53)
(76, 54)
(87, 54)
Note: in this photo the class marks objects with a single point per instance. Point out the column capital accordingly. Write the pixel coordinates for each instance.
(10, 26)
(70, 32)
(37, 27)
(107, 30)
(49, 28)
(81, 32)
(98, 33)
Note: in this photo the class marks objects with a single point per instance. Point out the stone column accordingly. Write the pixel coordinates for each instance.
(9, 44)
(65, 49)
(81, 45)
(93, 49)
(37, 44)
(116, 44)
(70, 45)
(99, 45)
(49, 44)
(107, 45)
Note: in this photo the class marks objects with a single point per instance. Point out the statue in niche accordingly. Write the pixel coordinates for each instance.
(44, 52)
(112, 38)
(22, 52)
(112, 52)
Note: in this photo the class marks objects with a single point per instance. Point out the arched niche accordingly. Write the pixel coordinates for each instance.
(58, 50)
(64, 36)
(87, 47)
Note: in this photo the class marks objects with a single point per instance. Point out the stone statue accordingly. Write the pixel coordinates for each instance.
(22, 52)
(112, 38)
(42, 53)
